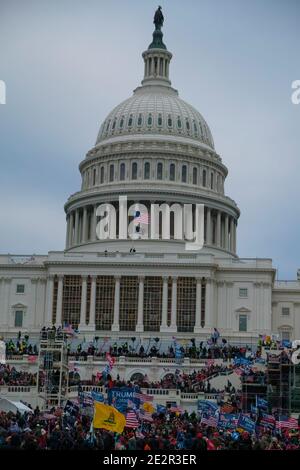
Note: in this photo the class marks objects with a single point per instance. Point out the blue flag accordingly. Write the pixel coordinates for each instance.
(246, 423)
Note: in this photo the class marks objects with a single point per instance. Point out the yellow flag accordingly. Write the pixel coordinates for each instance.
(148, 407)
(107, 417)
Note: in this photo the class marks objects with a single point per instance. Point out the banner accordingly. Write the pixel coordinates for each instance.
(228, 420)
(246, 423)
(206, 406)
(161, 409)
(97, 396)
(118, 397)
(107, 417)
(261, 403)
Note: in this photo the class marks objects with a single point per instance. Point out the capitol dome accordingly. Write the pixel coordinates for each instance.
(156, 110)
(153, 148)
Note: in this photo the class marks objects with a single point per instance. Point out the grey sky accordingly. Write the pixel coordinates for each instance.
(67, 63)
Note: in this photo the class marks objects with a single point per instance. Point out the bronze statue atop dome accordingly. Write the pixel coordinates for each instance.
(158, 18)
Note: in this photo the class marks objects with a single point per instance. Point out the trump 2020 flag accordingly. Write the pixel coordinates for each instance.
(107, 417)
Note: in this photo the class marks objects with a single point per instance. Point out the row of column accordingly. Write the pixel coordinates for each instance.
(79, 232)
(225, 230)
(209, 320)
(160, 68)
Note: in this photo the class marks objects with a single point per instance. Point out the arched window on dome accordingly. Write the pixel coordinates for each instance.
(102, 175)
(172, 172)
(170, 122)
(130, 121)
(122, 172)
(147, 171)
(184, 174)
(149, 121)
(140, 120)
(195, 175)
(179, 123)
(187, 125)
(111, 172)
(201, 128)
(217, 182)
(94, 176)
(134, 171)
(159, 173)
(211, 181)
(107, 126)
(204, 178)
(121, 122)
(195, 128)
(114, 124)
(159, 120)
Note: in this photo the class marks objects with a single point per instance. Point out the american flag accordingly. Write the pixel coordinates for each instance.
(111, 360)
(267, 421)
(131, 420)
(68, 329)
(143, 397)
(32, 358)
(141, 218)
(146, 416)
(286, 422)
(176, 409)
(209, 421)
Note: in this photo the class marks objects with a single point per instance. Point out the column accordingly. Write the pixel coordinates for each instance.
(208, 226)
(219, 229)
(84, 225)
(68, 231)
(231, 234)
(82, 323)
(76, 234)
(226, 233)
(173, 326)
(164, 315)
(93, 231)
(234, 237)
(198, 327)
(267, 307)
(31, 310)
(71, 241)
(58, 321)
(49, 300)
(229, 310)
(91, 325)
(5, 302)
(116, 323)
(208, 304)
(140, 319)
(221, 313)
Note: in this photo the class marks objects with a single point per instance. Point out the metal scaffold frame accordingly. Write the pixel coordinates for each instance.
(53, 370)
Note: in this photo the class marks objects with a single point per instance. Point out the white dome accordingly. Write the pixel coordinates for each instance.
(156, 110)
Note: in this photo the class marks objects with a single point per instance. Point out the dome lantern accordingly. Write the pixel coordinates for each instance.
(157, 58)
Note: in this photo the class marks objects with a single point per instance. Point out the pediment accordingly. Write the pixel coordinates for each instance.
(19, 305)
(243, 310)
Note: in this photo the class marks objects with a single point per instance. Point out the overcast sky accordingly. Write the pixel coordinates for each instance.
(67, 63)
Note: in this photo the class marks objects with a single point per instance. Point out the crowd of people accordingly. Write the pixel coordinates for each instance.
(62, 430)
(10, 376)
(20, 346)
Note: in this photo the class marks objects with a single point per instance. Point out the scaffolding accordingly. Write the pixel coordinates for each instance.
(281, 382)
(53, 371)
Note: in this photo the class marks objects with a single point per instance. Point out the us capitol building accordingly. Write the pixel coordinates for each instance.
(153, 148)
